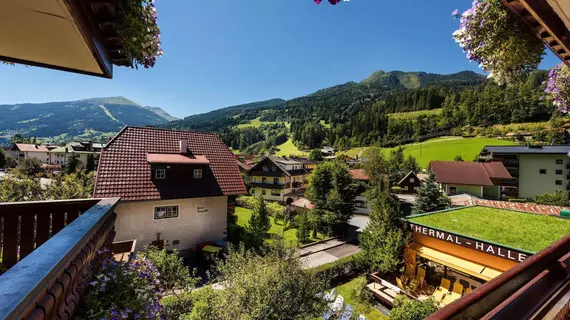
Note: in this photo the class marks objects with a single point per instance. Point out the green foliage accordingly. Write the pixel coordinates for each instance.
(362, 292)
(458, 158)
(122, 290)
(14, 189)
(259, 224)
(76, 185)
(342, 268)
(172, 273)
(556, 198)
(407, 309)
(204, 302)
(250, 202)
(269, 286)
(332, 192)
(2, 158)
(90, 166)
(383, 239)
(29, 167)
(315, 155)
(10, 162)
(430, 198)
(303, 227)
(73, 164)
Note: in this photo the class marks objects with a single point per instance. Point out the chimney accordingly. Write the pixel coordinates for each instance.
(183, 146)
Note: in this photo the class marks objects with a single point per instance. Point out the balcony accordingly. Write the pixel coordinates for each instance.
(274, 186)
(49, 249)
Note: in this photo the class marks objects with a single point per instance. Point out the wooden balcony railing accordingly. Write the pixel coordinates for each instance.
(55, 245)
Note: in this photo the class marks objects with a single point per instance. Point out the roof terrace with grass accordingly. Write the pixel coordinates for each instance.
(515, 229)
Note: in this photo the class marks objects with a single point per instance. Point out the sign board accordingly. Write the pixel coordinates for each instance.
(203, 210)
(492, 249)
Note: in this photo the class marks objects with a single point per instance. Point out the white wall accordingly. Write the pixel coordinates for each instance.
(532, 183)
(135, 220)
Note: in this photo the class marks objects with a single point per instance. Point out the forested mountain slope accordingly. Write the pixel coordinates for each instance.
(67, 119)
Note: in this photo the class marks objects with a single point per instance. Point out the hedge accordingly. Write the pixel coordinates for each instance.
(347, 267)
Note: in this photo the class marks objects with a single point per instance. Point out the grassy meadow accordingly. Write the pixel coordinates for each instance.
(443, 149)
(414, 114)
(288, 148)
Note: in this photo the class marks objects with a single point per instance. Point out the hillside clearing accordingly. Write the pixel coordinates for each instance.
(443, 149)
(414, 114)
(288, 148)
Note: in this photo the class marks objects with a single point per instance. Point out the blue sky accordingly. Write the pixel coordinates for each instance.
(222, 52)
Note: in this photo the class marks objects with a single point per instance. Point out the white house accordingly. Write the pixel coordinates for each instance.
(173, 185)
(20, 151)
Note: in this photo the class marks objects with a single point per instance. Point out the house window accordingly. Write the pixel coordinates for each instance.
(412, 180)
(165, 212)
(559, 161)
(542, 171)
(160, 174)
(558, 182)
(197, 173)
(275, 193)
(263, 180)
(558, 171)
(274, 168)
(275, 180)
(452, 190)
(265, 169)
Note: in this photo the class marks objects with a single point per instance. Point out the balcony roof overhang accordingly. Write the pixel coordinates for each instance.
(550, 19)
(69, 35)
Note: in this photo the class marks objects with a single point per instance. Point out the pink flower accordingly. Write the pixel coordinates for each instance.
(318, 1)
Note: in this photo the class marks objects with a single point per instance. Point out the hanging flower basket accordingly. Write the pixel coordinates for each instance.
(498, 41)
(139, 32)
(558, 86)
(333, 2)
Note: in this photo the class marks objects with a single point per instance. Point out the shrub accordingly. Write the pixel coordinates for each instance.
(346, 267)
(177, 306)
(276, 210)
(248, 202)
(557, 198)
(172, 273)
(361, 291)
(406, 309)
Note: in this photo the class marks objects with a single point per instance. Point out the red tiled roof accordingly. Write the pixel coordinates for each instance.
(175, 158)
(358, 174)
(519, 206)
(27, 147)
(242, 165)
(469, 173)
(303, 203)
(124, 171)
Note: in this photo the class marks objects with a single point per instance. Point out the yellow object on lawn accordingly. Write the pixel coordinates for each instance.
(211, 249)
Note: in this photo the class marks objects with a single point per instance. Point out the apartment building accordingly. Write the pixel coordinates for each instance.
(536, 170)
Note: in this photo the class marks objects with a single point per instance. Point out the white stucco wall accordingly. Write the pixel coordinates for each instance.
(532, 183)
(135, 220)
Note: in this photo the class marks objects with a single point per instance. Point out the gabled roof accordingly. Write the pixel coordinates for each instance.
(303, 203)
(358, 174)
(561, 149)
(30, 147)
(411, 174)
(124, 171)
(281, 163)
(243, 166)
(469, 173)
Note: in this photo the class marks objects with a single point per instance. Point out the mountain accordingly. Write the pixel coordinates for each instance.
(416, 80)
(161, 113)
(87, 118)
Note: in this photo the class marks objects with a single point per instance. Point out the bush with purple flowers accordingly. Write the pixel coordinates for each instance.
(558, 86)
(123, 290)
(139, 32)
(498, 41)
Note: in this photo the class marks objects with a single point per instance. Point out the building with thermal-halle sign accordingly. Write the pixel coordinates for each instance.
(476, 244)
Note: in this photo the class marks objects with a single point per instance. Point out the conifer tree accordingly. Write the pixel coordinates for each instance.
(430, 198)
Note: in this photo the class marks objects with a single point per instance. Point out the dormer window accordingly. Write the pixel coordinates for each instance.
(160, 174)
(197, 173)
(274, 168)
(265, 169)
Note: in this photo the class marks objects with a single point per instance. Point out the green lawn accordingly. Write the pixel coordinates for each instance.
(530, 232)
(288, 148)
(290, 235)
(414, 114)
(347, 291)
(443, 149)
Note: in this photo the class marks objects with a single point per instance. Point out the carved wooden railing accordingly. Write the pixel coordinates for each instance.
(49, 281)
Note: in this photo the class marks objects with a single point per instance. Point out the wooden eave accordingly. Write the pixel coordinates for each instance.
(546, 24)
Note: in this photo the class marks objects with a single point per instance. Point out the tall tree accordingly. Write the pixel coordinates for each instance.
(259, 224)
(332, 192)
(29, 167)
(72, 164)
(430, 198)
(384, 237)
(315, 155)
